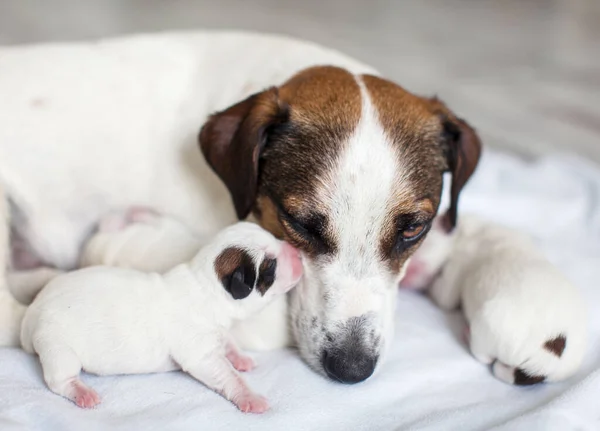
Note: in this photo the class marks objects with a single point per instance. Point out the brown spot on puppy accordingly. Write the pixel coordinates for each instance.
(266, 274)
(556, 345)
(236, 270)
(524, 379)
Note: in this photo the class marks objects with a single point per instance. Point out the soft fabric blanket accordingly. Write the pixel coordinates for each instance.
(429, 381)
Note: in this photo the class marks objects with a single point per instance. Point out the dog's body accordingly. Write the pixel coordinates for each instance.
(523, 315)
(109, 320)
(343, 164)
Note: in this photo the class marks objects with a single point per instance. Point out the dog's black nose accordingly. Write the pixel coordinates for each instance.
(348, 367)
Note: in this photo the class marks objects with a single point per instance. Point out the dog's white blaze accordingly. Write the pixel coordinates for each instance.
(360, 188)
(359, 191)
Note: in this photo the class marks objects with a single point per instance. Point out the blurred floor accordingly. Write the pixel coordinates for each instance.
(526, 73)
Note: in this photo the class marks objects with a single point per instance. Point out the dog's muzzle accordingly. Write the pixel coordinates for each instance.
(353, 354)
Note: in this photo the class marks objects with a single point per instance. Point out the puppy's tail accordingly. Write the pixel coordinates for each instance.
(557, 359)
(11, 311)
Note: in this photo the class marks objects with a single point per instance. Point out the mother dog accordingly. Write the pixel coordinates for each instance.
(342, 163)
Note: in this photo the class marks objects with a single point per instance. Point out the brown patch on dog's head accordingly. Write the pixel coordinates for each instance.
(275, 150)
(429, 139)
(556, 345)
(524, 379)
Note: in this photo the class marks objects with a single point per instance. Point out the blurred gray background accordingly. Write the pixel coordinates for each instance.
(526, 73)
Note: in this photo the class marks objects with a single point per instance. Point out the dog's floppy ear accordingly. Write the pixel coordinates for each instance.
(232, 141)
(462, 149)
(235, 269)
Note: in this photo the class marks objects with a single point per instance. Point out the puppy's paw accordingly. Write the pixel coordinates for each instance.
(241, 362)
(84, 396)
(251, 403)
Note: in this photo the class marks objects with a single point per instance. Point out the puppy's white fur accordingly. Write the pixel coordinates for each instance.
(109, 320)
(523, 314)
(143, 239)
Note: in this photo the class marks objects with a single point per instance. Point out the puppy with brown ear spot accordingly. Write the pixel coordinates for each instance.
(107, 320)
(524, 316)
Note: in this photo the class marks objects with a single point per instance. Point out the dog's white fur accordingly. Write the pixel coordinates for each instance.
(514, 300)
(109, 320)
(110, 124)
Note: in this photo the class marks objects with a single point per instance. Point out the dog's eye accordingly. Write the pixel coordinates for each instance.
(310, 229)
(412, 232)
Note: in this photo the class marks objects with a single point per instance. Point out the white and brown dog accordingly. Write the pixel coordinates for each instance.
(108, 320)
(342, 163)
(523, 315)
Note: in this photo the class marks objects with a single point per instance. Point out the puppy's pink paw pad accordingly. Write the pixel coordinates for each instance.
(241, 362)
(252, 403)
(85, 397)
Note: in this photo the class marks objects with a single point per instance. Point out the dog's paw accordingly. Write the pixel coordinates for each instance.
(84, 396)
(252, 403)
(241, 362)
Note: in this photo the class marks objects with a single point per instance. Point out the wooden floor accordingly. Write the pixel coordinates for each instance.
(526, 73)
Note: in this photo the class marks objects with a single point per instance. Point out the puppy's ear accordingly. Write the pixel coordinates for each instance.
(236, 270)
(462, 149)
(232, 141)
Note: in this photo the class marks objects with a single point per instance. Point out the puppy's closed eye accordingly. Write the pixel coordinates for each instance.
(235, 268)
(266, 276)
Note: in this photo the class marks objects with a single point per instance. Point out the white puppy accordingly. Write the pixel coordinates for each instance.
(523, 315)
(142, 239)
(108, 320)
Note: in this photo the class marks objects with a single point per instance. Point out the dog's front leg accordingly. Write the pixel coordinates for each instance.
(11, 312)
(215, 371)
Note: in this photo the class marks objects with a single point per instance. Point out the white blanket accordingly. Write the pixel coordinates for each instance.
(429, 381)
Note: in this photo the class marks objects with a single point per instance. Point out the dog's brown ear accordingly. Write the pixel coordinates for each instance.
(232, 141)
(462, 148)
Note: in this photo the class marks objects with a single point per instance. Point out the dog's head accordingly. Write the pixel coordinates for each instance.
(249, 266)
(349, 170)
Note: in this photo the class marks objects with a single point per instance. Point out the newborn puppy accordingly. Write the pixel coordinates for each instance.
(143, 239)
(108, 320)
(524, 316)
(140, 238)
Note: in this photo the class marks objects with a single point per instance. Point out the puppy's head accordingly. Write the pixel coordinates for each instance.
(250, 266)
(349, 170)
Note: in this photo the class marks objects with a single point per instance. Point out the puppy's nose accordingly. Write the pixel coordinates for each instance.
(348, 367)
(291, 255)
